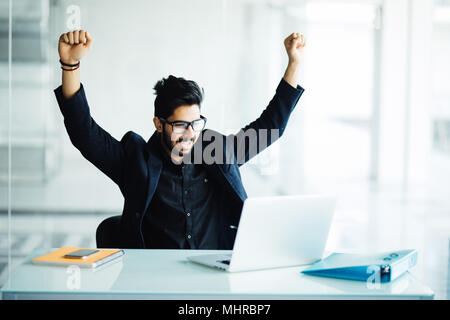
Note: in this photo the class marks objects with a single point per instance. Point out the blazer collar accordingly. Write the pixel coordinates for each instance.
(154, 165)
(153, 142)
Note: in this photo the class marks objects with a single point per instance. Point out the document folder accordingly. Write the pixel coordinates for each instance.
(388, 265)
(99, 258)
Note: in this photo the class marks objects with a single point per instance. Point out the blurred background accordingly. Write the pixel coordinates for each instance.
(372, 127)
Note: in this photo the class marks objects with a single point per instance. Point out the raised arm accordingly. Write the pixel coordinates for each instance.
(94, 143)
(72, 47)
(265, 130)
(294, 45)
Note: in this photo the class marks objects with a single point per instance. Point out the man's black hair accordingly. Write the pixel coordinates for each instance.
(173, 92)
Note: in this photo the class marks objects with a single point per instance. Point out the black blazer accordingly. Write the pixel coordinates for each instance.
(134, 165)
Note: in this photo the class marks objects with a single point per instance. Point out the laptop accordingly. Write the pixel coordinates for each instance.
(273, 232)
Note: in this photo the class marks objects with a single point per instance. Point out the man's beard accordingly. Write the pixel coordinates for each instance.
(171, 145)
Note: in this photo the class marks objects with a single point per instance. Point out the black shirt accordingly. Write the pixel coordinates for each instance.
(183, 213)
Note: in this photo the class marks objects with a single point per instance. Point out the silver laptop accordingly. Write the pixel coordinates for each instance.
(274, 232)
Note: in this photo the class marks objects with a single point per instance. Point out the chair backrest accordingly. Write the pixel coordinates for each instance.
(108, 233)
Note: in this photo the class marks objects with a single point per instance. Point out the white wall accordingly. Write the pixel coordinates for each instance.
(405, 134)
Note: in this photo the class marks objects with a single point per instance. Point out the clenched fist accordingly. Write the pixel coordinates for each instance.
(73, 46)
(294, 46)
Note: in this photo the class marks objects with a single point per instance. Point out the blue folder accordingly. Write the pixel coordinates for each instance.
(387, 266)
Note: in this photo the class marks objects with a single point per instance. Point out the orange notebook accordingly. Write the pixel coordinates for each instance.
(99, 258)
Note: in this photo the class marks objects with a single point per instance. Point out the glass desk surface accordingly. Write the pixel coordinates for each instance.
(167, 274)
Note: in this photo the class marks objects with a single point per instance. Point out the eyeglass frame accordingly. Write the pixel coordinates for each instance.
(187, 123)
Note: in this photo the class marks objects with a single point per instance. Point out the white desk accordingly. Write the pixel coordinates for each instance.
(166, 274)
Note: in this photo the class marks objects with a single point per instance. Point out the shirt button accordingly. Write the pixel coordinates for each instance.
(185, 191)
(188, 214)
(189, 236)
(206, 180)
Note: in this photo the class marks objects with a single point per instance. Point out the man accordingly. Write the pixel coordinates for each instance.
(172, 199)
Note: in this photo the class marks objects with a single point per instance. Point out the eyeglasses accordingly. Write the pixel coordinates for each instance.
(181, 126)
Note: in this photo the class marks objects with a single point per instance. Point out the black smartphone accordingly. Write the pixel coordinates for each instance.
(81, 253)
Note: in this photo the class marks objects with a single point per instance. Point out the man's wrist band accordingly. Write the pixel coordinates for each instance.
(70, 69)
(69, 65)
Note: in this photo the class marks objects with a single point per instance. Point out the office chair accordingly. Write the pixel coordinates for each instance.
(108, 233)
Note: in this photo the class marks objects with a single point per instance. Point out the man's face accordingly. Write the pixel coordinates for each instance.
(179, 143)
